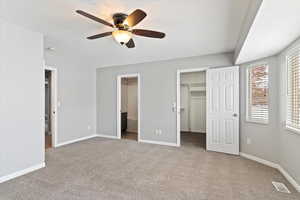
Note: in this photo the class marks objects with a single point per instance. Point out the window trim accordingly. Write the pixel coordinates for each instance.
(286, 80)
(249, 120)
(292, 129)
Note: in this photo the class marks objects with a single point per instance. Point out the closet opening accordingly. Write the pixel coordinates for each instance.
(191, 105)
(50, 107)
(128, 107)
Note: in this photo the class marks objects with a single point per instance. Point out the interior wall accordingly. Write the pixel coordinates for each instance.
(158, 93)
(289, 141)
(21, 99)
(193, 77)
(76, 93)
(184, 108)
(263, 137)
(132, 106)
(124, 98)
(272, 142)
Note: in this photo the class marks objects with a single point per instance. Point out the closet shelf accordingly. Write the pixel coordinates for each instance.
(197, 89)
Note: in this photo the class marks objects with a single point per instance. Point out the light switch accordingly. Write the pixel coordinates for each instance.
(174, 107)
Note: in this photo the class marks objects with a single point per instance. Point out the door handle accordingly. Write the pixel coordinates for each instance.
(235, 115)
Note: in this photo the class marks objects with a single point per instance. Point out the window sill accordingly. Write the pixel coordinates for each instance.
(257, 122)
(291, 129)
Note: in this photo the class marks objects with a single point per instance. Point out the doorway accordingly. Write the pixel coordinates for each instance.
(50, 107)
(128, 107)
(221, 93)
(193, 108)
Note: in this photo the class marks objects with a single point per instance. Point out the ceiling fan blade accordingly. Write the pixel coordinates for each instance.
(94, 18)
(136, 17)
(130, 44)
(148, 33)
(99, 35)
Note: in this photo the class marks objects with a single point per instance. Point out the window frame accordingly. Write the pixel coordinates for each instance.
(248, 118)
(286, 78)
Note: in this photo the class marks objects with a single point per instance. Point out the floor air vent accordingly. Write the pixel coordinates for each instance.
(280, 187)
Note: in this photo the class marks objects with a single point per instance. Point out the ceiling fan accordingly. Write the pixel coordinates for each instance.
(124, 23)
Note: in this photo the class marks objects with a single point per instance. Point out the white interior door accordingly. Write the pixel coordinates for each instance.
(223, 110)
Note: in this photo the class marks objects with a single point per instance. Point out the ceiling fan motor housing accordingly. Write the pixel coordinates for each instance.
(119, 19)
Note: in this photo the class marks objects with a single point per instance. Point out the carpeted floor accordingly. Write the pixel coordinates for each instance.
(99, 169)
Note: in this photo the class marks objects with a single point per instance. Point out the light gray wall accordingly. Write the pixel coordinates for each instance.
(289, 141)
(264, 137)
(272, 142)
(21, 99)
(158, 92)
(76, 93)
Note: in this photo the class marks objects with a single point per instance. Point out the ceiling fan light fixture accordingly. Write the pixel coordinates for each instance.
(122, 36)
(123, 25)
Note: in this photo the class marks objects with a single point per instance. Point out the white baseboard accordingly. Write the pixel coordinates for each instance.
(108, 136)
(260, 160)
(76, 140)
(292, 181)
(22, 172)
(160, 143)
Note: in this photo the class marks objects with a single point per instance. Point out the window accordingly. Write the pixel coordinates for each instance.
(258, 92)
(293, 90)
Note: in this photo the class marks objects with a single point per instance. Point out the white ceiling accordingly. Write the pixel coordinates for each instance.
(193, 27)
(276, 25)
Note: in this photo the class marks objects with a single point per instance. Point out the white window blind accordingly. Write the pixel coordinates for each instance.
(293, 89)
(258, 92)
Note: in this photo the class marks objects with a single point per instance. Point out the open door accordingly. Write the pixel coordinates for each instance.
(223, 110)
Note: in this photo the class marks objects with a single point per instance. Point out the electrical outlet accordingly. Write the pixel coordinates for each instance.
(249, 140)
(159, 131)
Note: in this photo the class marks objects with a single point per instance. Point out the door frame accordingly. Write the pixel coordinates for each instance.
(119, 101)
(54, 103)
(179, 72)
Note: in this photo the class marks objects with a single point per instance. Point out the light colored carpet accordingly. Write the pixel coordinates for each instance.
(124, 169)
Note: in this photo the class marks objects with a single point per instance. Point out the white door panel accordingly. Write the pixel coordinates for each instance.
(223, 110)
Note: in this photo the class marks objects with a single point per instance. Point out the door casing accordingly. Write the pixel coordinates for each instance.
(178, 102)
(119, 101)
